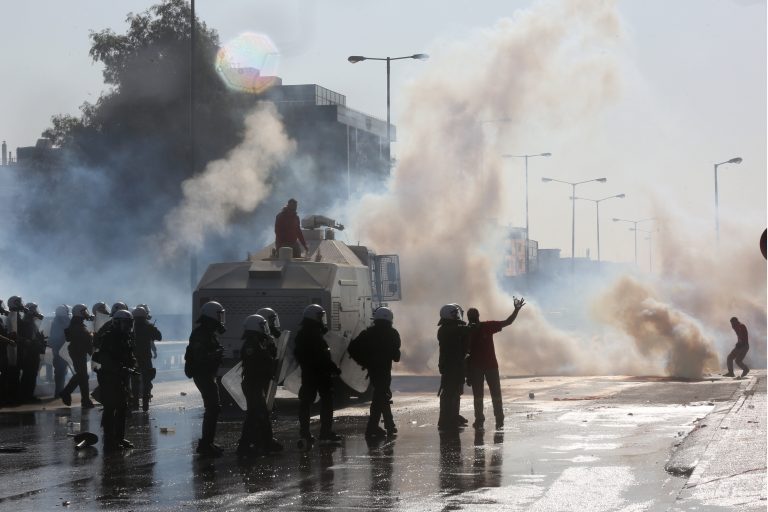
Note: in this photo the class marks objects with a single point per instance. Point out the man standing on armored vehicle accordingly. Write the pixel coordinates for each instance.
(317, 370)
(288, 229)
(453, 336)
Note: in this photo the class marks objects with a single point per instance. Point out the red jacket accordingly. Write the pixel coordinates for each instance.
(288, 229)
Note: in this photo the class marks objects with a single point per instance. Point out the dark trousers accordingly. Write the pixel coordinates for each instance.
(114, 397)
(295, 246)
(209, 389)
(490, 375)
(30, 366)
(452, 387)
(59, 372)
(310, 387)
(80, 378)
(257, 429)
(9, 375)
(381, 400)
(141, 384)
(737, 354)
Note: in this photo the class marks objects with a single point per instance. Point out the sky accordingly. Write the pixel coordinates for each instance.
(692, 93)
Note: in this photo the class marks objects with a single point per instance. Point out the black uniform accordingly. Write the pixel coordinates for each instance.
(114, 354)
(317, 369)
(375, 349)
(32, 344)
(453, 336)
(259, 358)
(146, 334)
(7, 350)
(203, 358)
(80, 347)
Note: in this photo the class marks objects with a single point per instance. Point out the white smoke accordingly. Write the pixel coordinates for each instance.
(232, 185)
(551, 63)
(552, 66)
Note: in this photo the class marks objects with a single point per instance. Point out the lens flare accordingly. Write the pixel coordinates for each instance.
(249, 63)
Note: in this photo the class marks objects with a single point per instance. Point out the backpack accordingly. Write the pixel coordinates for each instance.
(188, 363)
(358, 349)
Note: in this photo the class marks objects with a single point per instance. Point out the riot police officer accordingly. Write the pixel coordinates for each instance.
(202, 360)
(258, 359)
(116, 362)
(146, 334)
(33, 345)
(6, 345)
(80, 347)
(453, 337)
(317, 370)
(56, 340)
(375, 349)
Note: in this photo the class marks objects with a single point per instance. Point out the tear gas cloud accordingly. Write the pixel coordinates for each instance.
(553, 62)
(555, 66)
(237, 183)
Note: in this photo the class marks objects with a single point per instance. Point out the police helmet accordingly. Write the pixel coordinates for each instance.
(81, 311)
(32, 309)
(123, 319)
(140, 312)
(118, 306)
(62, 310)
(314, 312)
(383, 313)
(214, 311)
(16, 304)
(100, 307)
(271, 316)
(256, 323)
(450, 312)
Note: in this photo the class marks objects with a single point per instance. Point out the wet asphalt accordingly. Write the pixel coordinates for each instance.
(598, 443)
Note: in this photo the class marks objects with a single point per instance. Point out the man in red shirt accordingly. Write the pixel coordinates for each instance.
(483, 364)
(288, 229)
(740, 350)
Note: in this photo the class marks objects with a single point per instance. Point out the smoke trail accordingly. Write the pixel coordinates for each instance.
(658, 330)
(235, 184)
(549, 63)
(714, 282)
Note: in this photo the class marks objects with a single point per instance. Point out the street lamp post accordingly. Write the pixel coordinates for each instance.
(597, 209)
(634, 228)
(736, 160)
(648, 232)
(573, 210)
(527, 232)
(354, 59)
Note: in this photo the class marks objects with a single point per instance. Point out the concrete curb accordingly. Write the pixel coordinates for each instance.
(703, 463)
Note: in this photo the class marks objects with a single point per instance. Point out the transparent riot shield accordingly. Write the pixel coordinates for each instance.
(279, 376)
(64, 354)
(233, 383)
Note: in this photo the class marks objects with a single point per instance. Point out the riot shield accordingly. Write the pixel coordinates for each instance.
(352, 373)
(99, 319)
(64, 354)
(233, 383)
(279, 376)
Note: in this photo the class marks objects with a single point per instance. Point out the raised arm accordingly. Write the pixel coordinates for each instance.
(519, 303)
